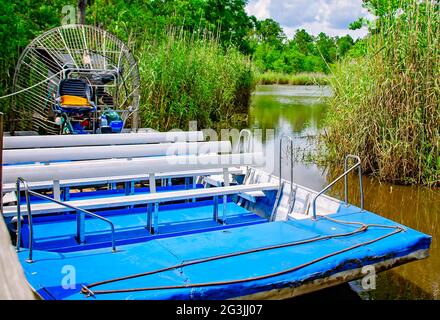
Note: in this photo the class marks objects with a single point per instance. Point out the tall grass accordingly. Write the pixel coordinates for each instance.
(292, 79)
(184, 78)
(386, 105)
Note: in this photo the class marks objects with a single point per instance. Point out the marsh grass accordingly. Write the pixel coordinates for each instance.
(187, 77)
(386, 105)
(292, 79)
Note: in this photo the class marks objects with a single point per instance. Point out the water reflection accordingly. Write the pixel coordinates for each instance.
(299, 111)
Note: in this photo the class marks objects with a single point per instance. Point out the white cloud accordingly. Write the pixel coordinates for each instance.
(259, 8)
(330, 16)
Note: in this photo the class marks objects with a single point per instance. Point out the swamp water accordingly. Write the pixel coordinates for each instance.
(299, 111)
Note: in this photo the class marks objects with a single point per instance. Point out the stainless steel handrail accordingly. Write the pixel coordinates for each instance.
(282, 137)
(281, 183)
(31, 226)
(344, 175)
(249, 140)
(28, 204)
(350, 156)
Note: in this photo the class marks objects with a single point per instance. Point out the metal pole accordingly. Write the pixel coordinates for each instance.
(30, 224)
(357, 165)
(346, 181)
(285, 136)
(361, 191)
(29, 213)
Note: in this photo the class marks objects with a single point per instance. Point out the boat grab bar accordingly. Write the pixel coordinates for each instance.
(281, 182)
(245, 136)
(282, 138)
(344, 175)
(28, 192)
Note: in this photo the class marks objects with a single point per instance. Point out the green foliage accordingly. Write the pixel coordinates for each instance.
(20, 22)
(143, 24)
(225, 18)
(292, 79)
(184, 78)
(386, 102)
(303, 53)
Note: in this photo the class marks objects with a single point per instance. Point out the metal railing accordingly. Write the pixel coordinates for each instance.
(240, 146)
(80, 230)
(281, 183)
(344, 175)
(242, 139)
(282, 138)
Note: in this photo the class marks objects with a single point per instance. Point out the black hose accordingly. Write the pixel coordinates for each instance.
(363, 227)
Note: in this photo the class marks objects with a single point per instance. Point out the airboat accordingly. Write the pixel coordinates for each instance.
(75, 79)
(166, 215)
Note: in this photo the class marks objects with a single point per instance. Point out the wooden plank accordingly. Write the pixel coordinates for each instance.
(13, 284)
(110, 202)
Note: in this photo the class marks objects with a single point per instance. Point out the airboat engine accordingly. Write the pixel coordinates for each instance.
(80, 79)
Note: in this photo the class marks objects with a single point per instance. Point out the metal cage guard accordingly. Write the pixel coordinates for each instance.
(80, 215)
(344, 175)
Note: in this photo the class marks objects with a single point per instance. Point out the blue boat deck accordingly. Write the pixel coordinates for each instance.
(180, 242)
(58, 232)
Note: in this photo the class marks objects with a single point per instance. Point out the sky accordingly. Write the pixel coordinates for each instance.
(315, 16)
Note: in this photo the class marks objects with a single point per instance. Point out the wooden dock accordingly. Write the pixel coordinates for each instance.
(13, 284)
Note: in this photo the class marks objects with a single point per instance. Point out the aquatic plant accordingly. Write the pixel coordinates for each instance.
(386, 104)
(188, 77)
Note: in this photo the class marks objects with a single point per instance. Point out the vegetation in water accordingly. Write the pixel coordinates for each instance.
(386, 103)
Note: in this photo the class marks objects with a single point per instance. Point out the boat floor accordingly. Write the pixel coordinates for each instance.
(58, 232)
(59, 275)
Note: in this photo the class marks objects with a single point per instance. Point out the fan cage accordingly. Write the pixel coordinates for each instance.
(74, 51)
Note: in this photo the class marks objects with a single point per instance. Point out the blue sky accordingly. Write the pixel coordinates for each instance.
(329, 16)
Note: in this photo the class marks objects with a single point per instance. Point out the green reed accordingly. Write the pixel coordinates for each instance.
(188, 77)
(386, 105)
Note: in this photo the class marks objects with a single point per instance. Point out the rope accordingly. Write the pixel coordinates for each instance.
(363, 227)
(31, 87)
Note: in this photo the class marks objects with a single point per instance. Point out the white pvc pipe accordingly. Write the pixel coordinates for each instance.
(24, 142)
(14, 156)
(115, 167)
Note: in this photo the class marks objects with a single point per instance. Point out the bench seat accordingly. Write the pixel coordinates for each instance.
(149, 198)
(38, 185)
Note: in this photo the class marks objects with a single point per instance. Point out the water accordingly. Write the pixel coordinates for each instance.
(299, 111)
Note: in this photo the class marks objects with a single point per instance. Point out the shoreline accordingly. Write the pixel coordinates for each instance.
(268, 78)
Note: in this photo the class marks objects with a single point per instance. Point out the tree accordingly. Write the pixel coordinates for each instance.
(344, 44)
(270, 31)
(303, 41)
(82, 11)
(326, 47)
